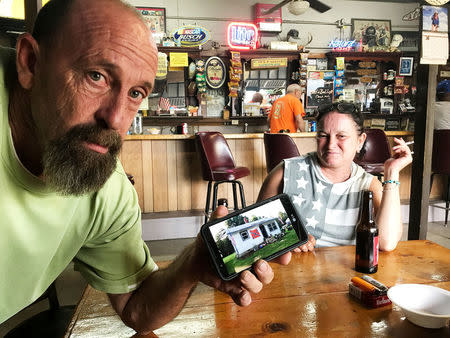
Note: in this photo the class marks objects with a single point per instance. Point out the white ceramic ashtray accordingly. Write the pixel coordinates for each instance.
(424, 305)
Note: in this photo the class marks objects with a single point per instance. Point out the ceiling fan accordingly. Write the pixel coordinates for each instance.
(300, 6)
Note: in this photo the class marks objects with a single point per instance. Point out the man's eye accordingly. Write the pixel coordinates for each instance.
(96, 76)
(136, 94)
(322, 135)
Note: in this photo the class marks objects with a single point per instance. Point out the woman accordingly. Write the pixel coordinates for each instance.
(326, 186)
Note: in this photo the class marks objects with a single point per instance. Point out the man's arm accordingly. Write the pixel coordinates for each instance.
(300, 123)
(163, 294)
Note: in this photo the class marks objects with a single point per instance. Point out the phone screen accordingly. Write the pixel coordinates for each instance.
(262, 231)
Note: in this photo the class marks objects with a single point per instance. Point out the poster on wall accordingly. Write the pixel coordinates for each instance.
(373, 34)
(155, 17)
(435, 19)
(319, 88)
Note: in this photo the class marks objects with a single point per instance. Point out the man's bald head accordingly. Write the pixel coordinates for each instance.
(52, 17)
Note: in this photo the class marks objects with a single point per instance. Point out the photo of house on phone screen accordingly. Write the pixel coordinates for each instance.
(257, 233)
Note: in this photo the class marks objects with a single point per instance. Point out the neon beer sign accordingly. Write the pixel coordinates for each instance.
(342, 45)
(242, 35)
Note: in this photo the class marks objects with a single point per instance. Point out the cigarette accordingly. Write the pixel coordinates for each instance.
(410, 142)
(374, 282)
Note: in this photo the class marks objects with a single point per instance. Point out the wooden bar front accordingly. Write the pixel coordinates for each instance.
(168, 175)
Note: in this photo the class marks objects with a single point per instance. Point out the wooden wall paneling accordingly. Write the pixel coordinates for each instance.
(259, 170)
(172, 184)
(147, 166)
(198, 185)
(305, 144)
(132, 164)
(186, 157)
(227, 189)
(160, 192)
(245, 149)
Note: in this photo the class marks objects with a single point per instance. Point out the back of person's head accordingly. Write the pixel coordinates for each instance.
(292, 88)
(346, 108)
(257, 97)
(443, 90)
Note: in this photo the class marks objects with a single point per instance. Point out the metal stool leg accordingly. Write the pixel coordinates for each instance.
(241, 189)
(235, 200)
(208, 196)
(214, 201)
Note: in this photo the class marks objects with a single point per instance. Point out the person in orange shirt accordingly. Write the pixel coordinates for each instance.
(287, 112)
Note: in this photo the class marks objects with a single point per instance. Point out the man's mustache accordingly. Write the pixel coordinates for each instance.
(93, 133)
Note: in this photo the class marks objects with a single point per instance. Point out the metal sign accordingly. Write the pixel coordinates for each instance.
(215, 72)
(191, 36)
(242, 35)
(268, 63)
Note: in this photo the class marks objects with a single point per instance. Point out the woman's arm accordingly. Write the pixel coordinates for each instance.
(387, 197)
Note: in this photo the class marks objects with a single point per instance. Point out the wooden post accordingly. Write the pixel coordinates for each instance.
(32, 7)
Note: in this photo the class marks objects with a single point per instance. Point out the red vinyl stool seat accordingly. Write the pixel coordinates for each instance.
(278, 147)
(218, 166)
(374, 153)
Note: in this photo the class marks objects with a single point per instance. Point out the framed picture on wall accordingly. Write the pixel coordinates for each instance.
(372, 33)
(155, 17)
(406, 66)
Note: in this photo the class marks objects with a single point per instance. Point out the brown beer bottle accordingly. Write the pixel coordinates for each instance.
(366, 258)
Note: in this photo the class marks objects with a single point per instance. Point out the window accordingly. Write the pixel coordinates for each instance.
(272, 227)
(244, 235)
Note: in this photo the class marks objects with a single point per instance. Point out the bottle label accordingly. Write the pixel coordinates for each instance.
(375, 250)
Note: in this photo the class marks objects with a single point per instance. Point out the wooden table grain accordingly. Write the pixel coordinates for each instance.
(307, 298)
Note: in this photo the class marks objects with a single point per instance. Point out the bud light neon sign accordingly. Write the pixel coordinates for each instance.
(242, 35)
(342, 45)
(189, 36)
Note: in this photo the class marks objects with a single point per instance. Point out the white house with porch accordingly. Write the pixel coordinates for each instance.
(249, 236)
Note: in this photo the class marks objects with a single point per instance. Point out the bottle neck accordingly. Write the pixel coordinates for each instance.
(367, 208)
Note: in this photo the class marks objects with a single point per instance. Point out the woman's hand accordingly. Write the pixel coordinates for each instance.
(308, 246)
(401, 158)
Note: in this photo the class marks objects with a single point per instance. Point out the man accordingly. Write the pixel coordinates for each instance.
(442, 105)
(287, 112)
(67, 103)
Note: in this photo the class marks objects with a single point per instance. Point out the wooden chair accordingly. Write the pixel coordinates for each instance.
(278, 147)
(46, 324)
(218, 166)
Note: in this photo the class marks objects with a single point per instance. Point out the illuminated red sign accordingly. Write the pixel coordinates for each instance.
(242, 35)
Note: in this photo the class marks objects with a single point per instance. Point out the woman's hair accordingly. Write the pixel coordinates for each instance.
(347, 108)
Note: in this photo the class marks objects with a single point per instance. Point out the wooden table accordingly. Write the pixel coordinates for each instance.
(308, 298)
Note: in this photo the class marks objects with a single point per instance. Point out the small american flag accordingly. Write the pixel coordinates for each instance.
(164, 103)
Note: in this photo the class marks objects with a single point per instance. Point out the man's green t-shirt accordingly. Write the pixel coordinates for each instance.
(41, 232)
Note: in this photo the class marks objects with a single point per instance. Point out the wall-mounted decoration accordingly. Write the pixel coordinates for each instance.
(264, 63)
(372, 34)
(435, 19)
(242, 35)
(406, 66)
(410, 42)
(155, 17)
(215, 72)
(191, 36)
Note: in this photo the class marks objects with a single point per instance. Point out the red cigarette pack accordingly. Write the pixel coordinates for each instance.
(370, 299)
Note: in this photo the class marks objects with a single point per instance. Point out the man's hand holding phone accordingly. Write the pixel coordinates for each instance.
(266, 230)
(241, 288)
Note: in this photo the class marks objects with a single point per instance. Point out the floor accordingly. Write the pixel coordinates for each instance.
(70, 284)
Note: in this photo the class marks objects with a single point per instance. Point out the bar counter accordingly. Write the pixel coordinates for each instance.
(168, 177)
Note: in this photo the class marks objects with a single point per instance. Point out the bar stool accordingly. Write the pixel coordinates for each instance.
(374, 153)
(49, 323)
(440, 163)
(278, 147)
(218, 166)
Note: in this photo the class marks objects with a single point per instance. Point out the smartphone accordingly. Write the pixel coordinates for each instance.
(264, 230)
